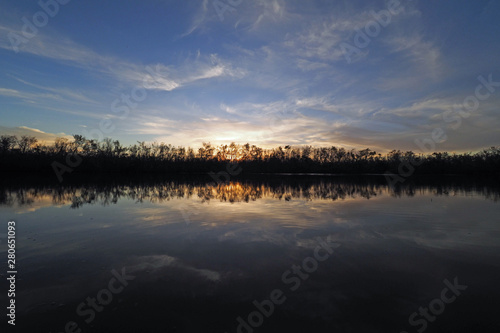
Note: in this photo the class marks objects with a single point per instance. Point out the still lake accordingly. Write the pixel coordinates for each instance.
(277, 253)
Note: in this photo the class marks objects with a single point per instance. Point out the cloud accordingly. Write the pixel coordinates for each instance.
(67, 93)
(200, 18)
(265, 124)
(55, 46)
(27, 96)
(247, 16)
(156, 77)
(321, 40)
(43, 137)
(55, 94)
(417, 109)
(422, 60)
(269, 11)
(158, 262)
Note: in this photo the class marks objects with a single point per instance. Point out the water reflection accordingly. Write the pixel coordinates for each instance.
(280, 188)
(199, 273)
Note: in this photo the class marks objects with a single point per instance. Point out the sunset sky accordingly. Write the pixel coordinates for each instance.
(355, 74)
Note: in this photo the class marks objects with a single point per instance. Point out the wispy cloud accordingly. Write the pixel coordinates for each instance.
(29, 97)
(43, 137)
(321, 39)
(57, 47)
(164, 77)
(65, 92)
(200, 18)
(424, 56)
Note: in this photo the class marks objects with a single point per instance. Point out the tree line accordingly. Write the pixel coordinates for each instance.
(27, 154)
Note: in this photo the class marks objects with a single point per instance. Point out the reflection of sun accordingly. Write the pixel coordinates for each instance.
(234, 192)
(233, 187)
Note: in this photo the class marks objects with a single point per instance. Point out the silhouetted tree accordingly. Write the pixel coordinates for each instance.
(26, 154)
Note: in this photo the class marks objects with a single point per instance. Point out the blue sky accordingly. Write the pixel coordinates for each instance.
(357, 74)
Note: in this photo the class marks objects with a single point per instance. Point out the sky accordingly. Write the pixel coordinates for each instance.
(408, 74)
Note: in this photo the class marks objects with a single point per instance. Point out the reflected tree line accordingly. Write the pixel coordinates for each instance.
(27, 154)
(286, 189)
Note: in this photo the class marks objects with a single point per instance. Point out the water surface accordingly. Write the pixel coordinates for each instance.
(201, 253)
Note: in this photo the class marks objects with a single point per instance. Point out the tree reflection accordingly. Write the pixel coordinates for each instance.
(157, 191)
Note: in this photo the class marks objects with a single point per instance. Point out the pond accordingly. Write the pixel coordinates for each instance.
(279, 253)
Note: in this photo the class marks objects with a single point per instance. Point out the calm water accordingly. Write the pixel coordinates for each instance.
(336, 254)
